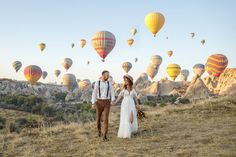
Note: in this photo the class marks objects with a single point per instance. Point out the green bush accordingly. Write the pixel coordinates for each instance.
(60, 96)
(47, 110)
(10, 99)
(150, 103)
(22, 123)
(184, 101)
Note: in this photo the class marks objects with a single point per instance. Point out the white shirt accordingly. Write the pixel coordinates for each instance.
(103, 91)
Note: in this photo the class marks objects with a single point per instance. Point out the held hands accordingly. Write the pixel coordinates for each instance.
(93, 106)
(113, 103)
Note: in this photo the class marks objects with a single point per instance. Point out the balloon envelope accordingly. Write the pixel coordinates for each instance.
(130, 41)
(154, 22)
(42, 46)
(103, 42)
(84, 84)
(32, 74)
(216, 64)
(126, 66)
(69, 81)
(82, 43)
(156, 61)
(44, 74)
(173, 70)
(151, 71)
(17, 65)
(199, 69)
(133, 31)
(67, 63)
(57, 72)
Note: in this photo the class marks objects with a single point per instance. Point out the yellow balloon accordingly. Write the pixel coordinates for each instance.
(130, 41)
(173, 70)
(42, 46)
(154, 22)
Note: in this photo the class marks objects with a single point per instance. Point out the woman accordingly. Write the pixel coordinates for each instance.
(128, 114)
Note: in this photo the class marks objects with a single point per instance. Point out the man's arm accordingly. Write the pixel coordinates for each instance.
(94, 95)
(112, 94)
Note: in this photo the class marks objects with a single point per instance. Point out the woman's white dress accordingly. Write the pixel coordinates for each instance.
(127, 106)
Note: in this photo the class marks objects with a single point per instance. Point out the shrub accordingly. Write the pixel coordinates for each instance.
(60, 96)
(150, 103)
(47, 110)
(22, 123)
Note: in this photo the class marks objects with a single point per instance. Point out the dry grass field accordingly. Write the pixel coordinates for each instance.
(203, 129)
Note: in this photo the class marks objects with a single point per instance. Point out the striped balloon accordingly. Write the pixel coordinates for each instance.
(126, 66)
(32, 74)
(199, 69)
(216, 64)
(103, 42)
(17, 65)
(44, 74)
(173, 70)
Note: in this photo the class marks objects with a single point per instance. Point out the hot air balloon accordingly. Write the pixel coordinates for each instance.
(67, 63)
(154, 22)
(44, 74)
(173, 70)
(170, 53)
(133, 31)
(130, 41)
(17, 65)
(126, 66)
(103, 42)
(42, 46)
(203, 42)
(84, 84)
(167, 38)
(69, 81)
(156, 61)
(32, 74)
(151, 71)
(57, 72)
(82, 43)
(216, 64)
(184, 74)
(192, 35)
(199, 69)
(72, 45)
(135, 60)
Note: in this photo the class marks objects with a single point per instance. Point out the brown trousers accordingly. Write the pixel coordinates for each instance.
(103, 105)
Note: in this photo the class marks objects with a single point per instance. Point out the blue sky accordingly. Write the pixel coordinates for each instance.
(26, 23)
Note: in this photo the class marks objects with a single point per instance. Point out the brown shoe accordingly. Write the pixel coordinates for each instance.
(105, 138)
(99, 133)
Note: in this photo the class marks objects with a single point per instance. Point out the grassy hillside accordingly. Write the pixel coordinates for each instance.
(207, 128)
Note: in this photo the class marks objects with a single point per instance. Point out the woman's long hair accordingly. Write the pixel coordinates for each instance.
(130, 83)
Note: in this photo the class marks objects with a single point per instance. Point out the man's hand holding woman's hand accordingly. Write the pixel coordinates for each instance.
(93, 106)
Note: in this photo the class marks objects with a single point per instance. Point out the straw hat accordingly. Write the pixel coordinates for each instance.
(128, 77)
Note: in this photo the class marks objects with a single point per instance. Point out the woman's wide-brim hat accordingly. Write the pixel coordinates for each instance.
(129, 77)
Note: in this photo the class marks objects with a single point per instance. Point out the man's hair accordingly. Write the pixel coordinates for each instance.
(104, 71)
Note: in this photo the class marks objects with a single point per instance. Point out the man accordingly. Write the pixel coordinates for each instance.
(102, 98)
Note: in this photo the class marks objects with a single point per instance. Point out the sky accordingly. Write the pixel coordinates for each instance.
(26, 23)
